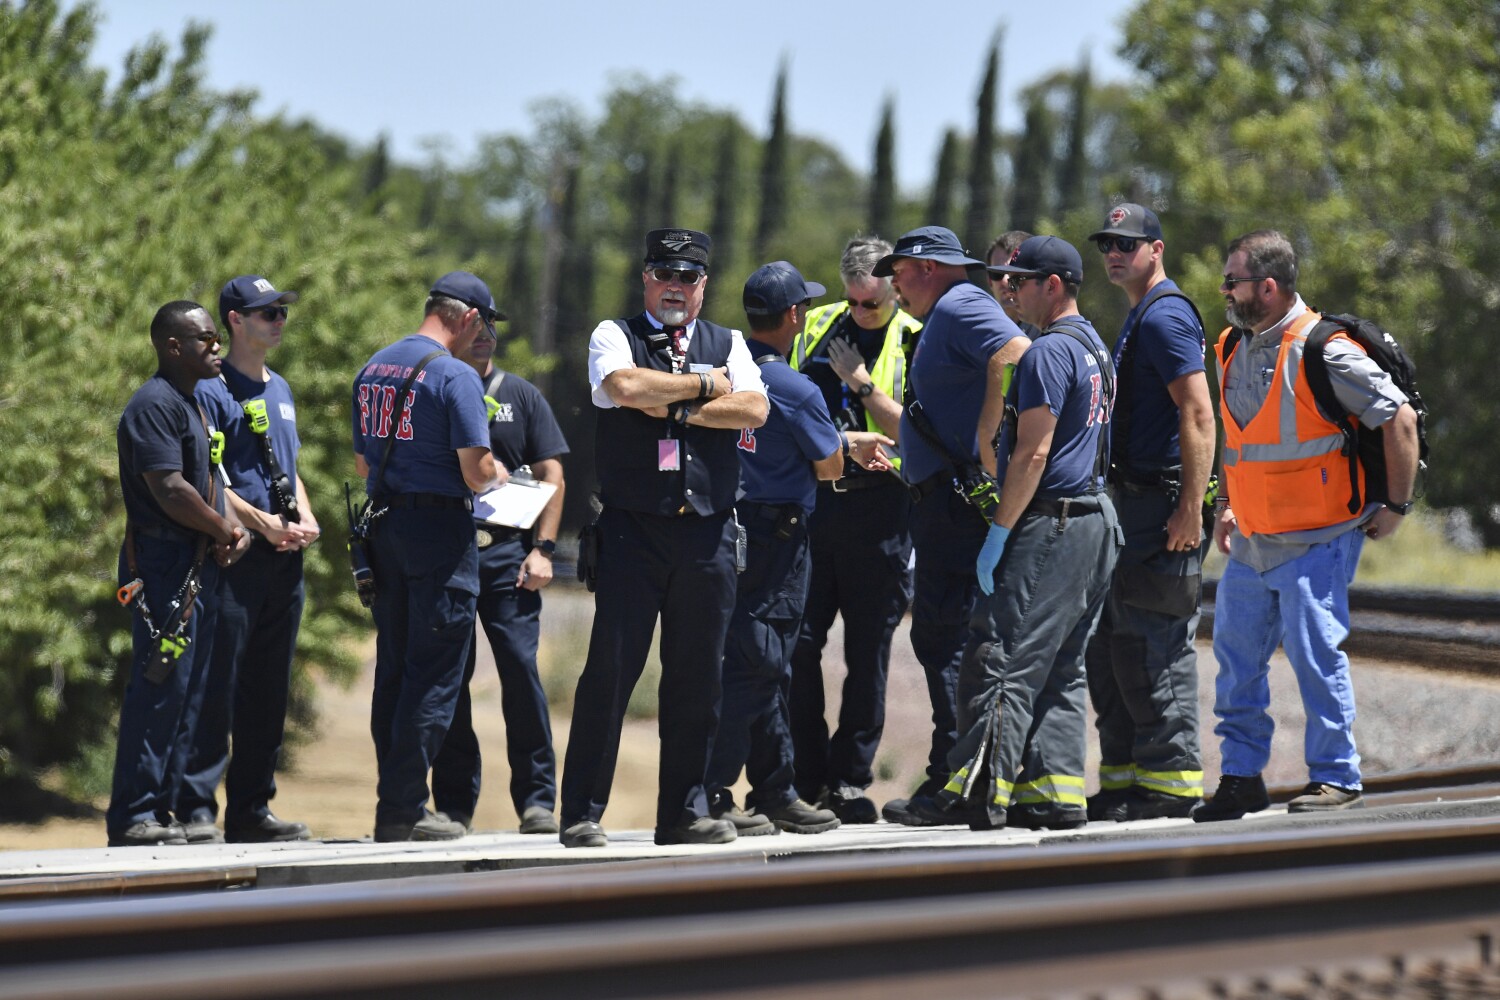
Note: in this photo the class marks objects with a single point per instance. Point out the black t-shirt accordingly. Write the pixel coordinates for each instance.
(524, 430)
(161, 429)
(839, 397)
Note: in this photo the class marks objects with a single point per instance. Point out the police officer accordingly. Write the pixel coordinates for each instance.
(957, 377)
(855, 352)
(422, 451)
(1044, 567)
(781, 463)
(261, 598)
(514, 566)
(175, 518)
(1142, 663)
(672, 392)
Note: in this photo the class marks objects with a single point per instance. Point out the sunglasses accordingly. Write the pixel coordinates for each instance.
(666, 274)
(1231, 282)
(268, 313)
(1124, 244)
(864, 303)
(1017, 280)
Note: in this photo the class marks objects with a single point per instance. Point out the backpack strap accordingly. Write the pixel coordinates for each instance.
(1107, 373)
(1315, 367)
(493, 385)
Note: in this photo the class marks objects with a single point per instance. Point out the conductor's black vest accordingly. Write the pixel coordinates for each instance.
(627, 442)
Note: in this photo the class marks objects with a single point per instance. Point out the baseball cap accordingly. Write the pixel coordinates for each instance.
(927, 243)
(469, 290)
(1130, 219)
(669, 246)
(776, 287)
(250, 291)
(1044, 255)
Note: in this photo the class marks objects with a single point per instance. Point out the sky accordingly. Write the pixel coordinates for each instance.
(456, 70)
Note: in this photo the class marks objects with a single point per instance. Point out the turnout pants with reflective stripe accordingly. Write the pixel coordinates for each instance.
(1142, 665)
(1021, 690)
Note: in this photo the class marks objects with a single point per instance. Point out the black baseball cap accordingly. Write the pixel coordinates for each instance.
(776, 287)
(927, 243)
(250, 291)
(678, 246)
(469, 290)
(1044, 255)
(1130, 219)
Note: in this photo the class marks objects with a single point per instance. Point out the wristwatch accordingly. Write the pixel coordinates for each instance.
(1399, 508)
(864, 391)
(547, 545)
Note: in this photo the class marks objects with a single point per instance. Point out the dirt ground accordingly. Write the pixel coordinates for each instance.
(1408, 719)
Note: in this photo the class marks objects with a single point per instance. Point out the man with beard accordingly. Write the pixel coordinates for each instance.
(672, 393)
(1284, 521)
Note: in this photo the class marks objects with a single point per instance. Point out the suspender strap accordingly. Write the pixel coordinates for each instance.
(390, 441)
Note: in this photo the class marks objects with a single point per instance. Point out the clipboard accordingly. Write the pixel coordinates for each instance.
(514, 505)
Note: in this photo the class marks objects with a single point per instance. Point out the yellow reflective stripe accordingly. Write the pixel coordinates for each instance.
(1065, 789)
(819, 321)
(1003, 791)
(1116, 777)
(1187, 784)
(956, 781)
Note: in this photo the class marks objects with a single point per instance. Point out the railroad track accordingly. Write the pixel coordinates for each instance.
(1208, 904)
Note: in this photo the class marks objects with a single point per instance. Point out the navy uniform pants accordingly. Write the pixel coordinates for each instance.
(1142, 665)
(511, 617)
(947, 535)
(260, 609)
(427, 582)
(150, 750)
(681, 569)
(861, 548)
(753, 729)
(1022, 696)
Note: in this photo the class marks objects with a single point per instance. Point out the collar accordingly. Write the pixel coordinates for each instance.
(1279, 327)
(659, 325)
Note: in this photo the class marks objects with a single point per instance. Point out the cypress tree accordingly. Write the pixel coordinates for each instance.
(1033, 167)
(1075, 161)
(883, 183)
(774, 189)
(980, 221)
(638, 197)
(940, 208)
(726, 213)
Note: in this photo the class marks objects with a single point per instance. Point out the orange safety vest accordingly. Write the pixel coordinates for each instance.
(1286, 469)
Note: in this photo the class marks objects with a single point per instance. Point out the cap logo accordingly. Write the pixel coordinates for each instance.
(263, 286)
(676, 241)
(917, 248)
(1117, 216)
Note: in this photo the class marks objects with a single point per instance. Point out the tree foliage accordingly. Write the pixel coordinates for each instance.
(984, 196)
(883, 183)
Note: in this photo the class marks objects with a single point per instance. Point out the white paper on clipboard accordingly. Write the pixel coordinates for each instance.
(514, 505)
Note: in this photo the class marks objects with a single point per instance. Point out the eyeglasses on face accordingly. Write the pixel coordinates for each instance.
(686, 276)
(864, 303)
(268, 313)
(1017, 280)
(1124, 244)
(1229, 282)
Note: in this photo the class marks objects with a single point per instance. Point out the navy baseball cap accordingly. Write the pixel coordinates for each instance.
(926, 243)
(250, 291)
(678, 246)
(469, 290)
(1044, 255)
(776, 287)
(1130, 219)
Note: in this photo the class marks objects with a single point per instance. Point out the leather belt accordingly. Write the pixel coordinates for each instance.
(414, 501)
(851, 484)
(1066, 507)
(929, 485)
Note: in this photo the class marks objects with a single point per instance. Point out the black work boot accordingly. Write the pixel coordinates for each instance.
(1235, 797)
(1109, 805)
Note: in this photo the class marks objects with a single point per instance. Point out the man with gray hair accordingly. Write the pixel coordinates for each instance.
(856, 352)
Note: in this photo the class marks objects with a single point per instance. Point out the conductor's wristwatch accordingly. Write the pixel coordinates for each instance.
(1399, 508)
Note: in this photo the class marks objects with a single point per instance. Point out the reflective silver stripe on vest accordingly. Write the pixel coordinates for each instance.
(1288, 449)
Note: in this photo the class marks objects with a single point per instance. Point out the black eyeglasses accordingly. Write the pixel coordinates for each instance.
(1124, 244)
(1017, 280)
(864, 304)
(685, 275)
(1229, 282)
(268, 313)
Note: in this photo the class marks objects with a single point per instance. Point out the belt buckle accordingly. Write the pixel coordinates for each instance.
(483, 539)
(838, 485)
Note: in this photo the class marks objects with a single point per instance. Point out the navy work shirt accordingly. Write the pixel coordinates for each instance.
(444, 412)
(524, 430)
(244, 458)
(161, 429)
(776, 458)
(1168, 345)
(949, 373)
(1056, 372)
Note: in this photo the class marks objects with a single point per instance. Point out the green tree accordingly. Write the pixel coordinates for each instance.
(1074, 167)
(775, 188)
(722, 296)
(1030, 192)
(940, 206)
(882, 217)
(980, 220)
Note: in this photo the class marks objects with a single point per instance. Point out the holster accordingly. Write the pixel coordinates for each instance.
(588, 555)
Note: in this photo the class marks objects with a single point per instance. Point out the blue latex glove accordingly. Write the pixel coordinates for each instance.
(989, 557)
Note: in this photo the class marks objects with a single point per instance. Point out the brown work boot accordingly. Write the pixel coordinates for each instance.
(1320, 796)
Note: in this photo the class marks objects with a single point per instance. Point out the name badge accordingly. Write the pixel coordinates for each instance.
(700, 369)
(668, 455)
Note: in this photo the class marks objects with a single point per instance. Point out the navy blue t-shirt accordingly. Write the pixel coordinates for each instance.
(965, 328)
(1056, 372)
(1168, 345)
(244, 457)
(444, 412)
(524, 430)
(776, 458)
(161, 429)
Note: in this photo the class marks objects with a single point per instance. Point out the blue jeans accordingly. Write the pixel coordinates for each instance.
(1304, 605)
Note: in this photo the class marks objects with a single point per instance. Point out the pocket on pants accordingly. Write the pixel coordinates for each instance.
(1142, 586)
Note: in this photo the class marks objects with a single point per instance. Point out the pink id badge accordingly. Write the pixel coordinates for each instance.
(668, 458)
